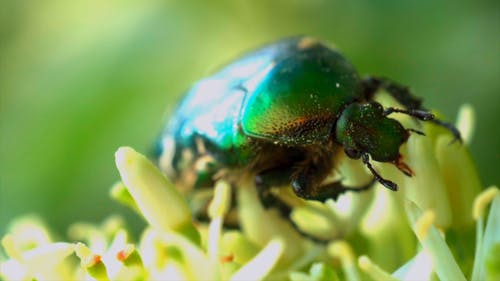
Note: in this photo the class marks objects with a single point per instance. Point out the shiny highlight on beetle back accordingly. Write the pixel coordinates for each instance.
(299, 100)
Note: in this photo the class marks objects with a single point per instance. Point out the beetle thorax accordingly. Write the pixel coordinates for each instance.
(363, 128)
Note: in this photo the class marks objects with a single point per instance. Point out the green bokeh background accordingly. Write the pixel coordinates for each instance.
(80, 78)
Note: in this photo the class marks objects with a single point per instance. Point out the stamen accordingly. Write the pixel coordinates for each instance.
(91, 262)
(433, 242)
(216, 211)
(344, 252)
(482, 201)
(129, 256)
(374, 270)
(423, 224)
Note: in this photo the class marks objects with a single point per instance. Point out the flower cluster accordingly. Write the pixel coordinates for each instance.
(424, 231)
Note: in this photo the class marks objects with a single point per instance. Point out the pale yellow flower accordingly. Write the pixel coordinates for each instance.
(373, 235)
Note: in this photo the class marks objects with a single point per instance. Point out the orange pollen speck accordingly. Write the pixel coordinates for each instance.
(227, 258)
(96, 259)
(121, 255)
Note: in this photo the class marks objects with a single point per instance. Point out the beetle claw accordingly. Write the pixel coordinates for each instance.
(389, 184)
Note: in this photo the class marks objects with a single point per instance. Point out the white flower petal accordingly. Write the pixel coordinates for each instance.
(419, 267)
(465, 122)
(444, 263)
(159, 201)
(261, 265)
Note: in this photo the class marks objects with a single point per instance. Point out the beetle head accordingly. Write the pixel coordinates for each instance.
(365, 129)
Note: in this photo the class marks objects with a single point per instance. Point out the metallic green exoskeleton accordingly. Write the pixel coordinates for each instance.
(281, 114)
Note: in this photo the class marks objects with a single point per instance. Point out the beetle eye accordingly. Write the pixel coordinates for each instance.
(352, 153)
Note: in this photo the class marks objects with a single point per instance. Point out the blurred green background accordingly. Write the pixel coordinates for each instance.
(78, 78)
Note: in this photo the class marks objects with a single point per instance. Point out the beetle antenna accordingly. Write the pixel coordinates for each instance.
(387, 183)
(417, 113)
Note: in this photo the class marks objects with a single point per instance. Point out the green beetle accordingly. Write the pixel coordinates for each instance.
(282, 114)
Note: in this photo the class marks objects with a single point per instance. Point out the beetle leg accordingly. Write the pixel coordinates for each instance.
(403, 95)
(200, 201)
(277, 178)
(307, 184)
(266, 180)
(451, 128)
(387, 183)
(410, 130)
(335, 189)
(399, 92)
(417, 113)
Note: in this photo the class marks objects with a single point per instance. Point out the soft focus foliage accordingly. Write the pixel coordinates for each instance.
(80, 78)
